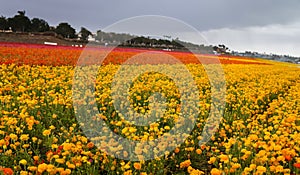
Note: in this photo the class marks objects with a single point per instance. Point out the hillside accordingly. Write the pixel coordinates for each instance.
(36, 38)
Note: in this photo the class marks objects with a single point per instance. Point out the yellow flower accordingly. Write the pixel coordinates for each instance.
(193, 171)
(252, 166)
(280, 158)
(261, 169)
(198, 151)
(25, 146)
(24, 137)
(129, 172)
(247, 170)
(32, 168)
(215, 171)
(23, 162)
(272, 168)
(190, 169)
(138, 97)
(224, 158)
(2, 142)
(197, 172)
(23, 173)
(67, 146)
(236, 165)
(13, 137)
(66, 172)
(50, 168)
(46, 132)
(112, 168)
(52, 127)
(279, 169)
(212, 160)
(54, 116)
(127, 166)
(132, 129)
(185, 164)
(42, 167)
(253, 137)
(167, 128)
(71, 166)
(234, 159)
(34, 139)
(61, 161)
(60, 170)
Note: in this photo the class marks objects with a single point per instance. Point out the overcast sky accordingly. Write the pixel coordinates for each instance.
(271, 26)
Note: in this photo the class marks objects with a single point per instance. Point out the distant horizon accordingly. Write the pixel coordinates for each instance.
(240, 51)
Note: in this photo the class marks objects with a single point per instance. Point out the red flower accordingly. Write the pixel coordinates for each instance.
(57, 152)
(49, 153)
(297, 165)
(60, 147)
(288, 158)
(7, 171)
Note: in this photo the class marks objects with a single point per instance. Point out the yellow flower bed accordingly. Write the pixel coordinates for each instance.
(259, 132)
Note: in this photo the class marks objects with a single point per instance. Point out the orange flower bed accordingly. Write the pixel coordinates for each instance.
(34, 54)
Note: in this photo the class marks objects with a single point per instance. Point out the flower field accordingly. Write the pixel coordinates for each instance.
(259, 132)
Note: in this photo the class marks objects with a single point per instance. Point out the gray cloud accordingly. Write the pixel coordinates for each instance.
(201, 14)
(279, 39)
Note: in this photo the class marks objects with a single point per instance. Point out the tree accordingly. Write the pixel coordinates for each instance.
(3, 23)
(84, 34)
(39, 25)
(19, 22)
(64, 29)
(22, 13)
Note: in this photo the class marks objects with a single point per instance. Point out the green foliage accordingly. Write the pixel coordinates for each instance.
(3, 23)
(84, 34)
(39, 25)
(20, 22)
(64, 29)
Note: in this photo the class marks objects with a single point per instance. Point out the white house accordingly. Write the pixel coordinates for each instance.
(92, 37)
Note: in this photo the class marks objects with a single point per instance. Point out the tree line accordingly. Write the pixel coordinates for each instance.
(22, 23)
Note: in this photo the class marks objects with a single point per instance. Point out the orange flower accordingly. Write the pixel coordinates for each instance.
(224, 158)
(215, 171)
(137, 166)
(198, 151)
(90, 145)
(176, 150)
(297, 165)
(288, 157)
(42, 167)
(185, 164)
(7, 171)
(39, 55)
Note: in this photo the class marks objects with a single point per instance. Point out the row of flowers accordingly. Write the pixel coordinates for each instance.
(63, 55)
